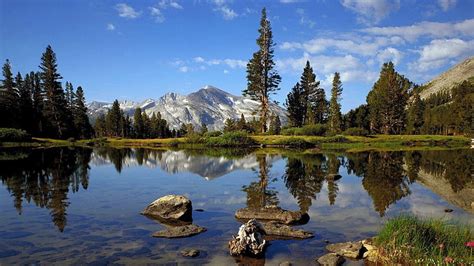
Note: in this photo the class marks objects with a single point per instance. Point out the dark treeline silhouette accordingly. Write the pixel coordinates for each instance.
(38, 104)
(45, 177)
(116, 124)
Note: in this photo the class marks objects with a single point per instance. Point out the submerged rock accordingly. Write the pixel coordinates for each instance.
(170, 207)
(353, 250)
(331, 259)
(190, 253)
(180, 231)
(272, 214)
(249, 240)
(274, 228)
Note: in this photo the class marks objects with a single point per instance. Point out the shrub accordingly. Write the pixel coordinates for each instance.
(356, 131)
(211, 134)
(336, 139)
(195, 138)
(174, 143)
(295, 143)
(406, 238)
(289, 131)
(230, 139)
(13, 135)
(308, 130)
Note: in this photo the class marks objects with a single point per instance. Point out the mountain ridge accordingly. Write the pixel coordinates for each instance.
(209, 105)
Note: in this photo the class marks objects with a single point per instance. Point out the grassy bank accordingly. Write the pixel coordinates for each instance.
(349, 143)
(410, 240)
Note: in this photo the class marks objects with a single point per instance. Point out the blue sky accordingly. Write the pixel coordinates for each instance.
(144, 49)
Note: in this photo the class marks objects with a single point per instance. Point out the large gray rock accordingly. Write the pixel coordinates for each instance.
(272, 214)
(170, 207)
(331, 259)
(180, 231)
(353, 250)
(278, 229)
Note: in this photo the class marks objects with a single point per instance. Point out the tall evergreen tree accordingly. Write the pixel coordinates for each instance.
(320, 108)
(26, 104)
(203, 128)
(8, 98)
(55, 105)
(79, 114)
(262, 79)
(415, 115)
(38, 104)
(229, 125)
(387, 101)
(295, 105)
(242, 124)
(310, 88)
(275, 125)
(146, 126)
(100, 126)
(335, 118)
(69, 94)
(138, 124)
(113, 120)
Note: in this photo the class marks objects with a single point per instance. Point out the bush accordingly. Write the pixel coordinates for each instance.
(174, 143)
(295, 143)
(336, 139)
(195, 138)
(211, 134)
(356, 131)
(13, 135)
(308, 130)
(231, 139)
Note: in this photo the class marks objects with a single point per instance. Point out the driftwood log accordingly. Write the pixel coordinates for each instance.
(249, 241)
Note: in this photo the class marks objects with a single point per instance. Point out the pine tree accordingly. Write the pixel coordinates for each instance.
(335, 119)
(138, 124)
(229, 125)
(415, 115)
(203, 128)
(146, 126)
(26, 104)
(262, 79)
(296, 107)
(8, 98)
(100, 127)
(387, 101)
(320, 108)
(113, 120)
(55, 105)
(310, 88)
(275, 125)
(38, 104)
(79, 114)
(242, 124)
(69, 94)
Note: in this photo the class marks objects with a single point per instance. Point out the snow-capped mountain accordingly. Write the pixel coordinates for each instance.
(208, 105)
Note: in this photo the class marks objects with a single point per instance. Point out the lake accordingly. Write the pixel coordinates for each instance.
(78, 206)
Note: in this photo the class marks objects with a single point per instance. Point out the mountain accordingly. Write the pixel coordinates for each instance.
(447, 80)
(208, 105)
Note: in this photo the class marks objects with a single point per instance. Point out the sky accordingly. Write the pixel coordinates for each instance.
(137, 50)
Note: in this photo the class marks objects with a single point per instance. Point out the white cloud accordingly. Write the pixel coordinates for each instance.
(371, 11)
(183, 69)
(433, 29)
(232, 63)
(439, 52)
(198, 59)
(169, 3)
(126, 11)
(226, 12)
(304, 20)
(289, 1)
(446, 4)
(389, 54)
(319, 45)
(157, 14)
(110, 27)
(226, 71)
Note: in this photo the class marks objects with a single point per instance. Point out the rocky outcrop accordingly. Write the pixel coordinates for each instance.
(249, 240)
(180, 231)
(353, 250)
(280, 230)
(272, 214)
(169, 208)
(331, 259)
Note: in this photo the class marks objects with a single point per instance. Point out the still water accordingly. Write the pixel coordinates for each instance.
(79, 206)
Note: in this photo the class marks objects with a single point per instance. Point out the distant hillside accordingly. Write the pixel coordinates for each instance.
(448, 79)
(208, 105)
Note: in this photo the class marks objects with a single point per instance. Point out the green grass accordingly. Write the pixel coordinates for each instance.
(237, 139)
(409, 240)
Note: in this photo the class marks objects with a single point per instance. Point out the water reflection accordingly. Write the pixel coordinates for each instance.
(46, 176)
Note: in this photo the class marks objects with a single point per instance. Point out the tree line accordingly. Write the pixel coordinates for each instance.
(38, 104)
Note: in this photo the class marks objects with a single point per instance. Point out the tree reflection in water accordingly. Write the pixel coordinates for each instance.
(45, 177)
(258, 193)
